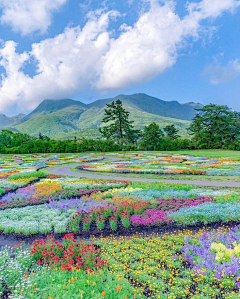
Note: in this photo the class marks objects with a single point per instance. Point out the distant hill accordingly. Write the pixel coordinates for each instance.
(63, 118)
(52, 117)
(7, 121)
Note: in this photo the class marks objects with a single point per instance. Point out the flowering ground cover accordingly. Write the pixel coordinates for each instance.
(215, 254)
(165, 164)
(28, 161)
(183, 264)
(74, 205)
(55, 204)
(54, 188)
(20, 170)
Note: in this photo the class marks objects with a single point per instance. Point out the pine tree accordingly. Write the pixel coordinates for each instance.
(151, 136)
(119, 127)
(215, 126)
(171, 131)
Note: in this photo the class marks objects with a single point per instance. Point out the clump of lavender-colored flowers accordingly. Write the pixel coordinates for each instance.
(202, 258)
(76, 204)
(20, 194)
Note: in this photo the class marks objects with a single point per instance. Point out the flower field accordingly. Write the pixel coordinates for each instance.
(164, 164)
(181, 241)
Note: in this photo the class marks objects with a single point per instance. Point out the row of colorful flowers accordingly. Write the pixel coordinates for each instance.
(180, 265)
(164, 164)
(91, 209)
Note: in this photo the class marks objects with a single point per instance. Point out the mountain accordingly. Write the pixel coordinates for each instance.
(6, 121)
(63, 118)
(52, 117)
(17, 117)
(153, 105)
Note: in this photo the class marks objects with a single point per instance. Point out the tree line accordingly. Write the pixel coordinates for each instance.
(213, 127)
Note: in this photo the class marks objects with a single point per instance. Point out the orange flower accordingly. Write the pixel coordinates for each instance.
(21, 292)
(120, 279)
(118, 288)
(103, 294)
(64, 286)
(134, 296)
(35, 289)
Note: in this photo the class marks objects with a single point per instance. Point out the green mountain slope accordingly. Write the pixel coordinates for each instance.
(92, 117)
(63, 118)
(153, 105)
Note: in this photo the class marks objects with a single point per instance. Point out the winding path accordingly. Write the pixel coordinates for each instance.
(66, 170)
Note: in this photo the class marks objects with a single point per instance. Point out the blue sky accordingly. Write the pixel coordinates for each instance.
(86, 50)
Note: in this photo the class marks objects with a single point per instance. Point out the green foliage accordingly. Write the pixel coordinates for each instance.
(35, 174)
(85, 133)
(17, 143)
(53, 283)
(151, 137)
(60, 117)
(213, 127)
(171, 131)
(119, 127)
(10, 139)
(216, 126)
(13, 268)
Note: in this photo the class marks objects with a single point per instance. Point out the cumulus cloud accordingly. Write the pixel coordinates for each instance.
(28, 16)
(93, 58)
(218, 73)
(65, 64)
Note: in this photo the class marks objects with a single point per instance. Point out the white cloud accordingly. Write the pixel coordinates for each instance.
(92, 58)
(151, 45)
(218, 73)
(212, 8)
(28, 16)
(66, 64)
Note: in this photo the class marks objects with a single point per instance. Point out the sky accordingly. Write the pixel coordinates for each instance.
(186, 51)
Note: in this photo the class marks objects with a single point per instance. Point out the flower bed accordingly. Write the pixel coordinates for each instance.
(187, 264)
(164, 164)
(207, 213)
(216, 255)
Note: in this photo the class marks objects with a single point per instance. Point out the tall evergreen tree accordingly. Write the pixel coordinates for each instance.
(171, 131)
(118, 126)
(151, 136)
(215, 126)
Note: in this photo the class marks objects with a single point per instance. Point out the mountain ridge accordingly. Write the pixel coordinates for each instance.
(9, 120)
(63, 116)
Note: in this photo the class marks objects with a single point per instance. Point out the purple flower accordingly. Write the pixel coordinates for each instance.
(78, 204)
